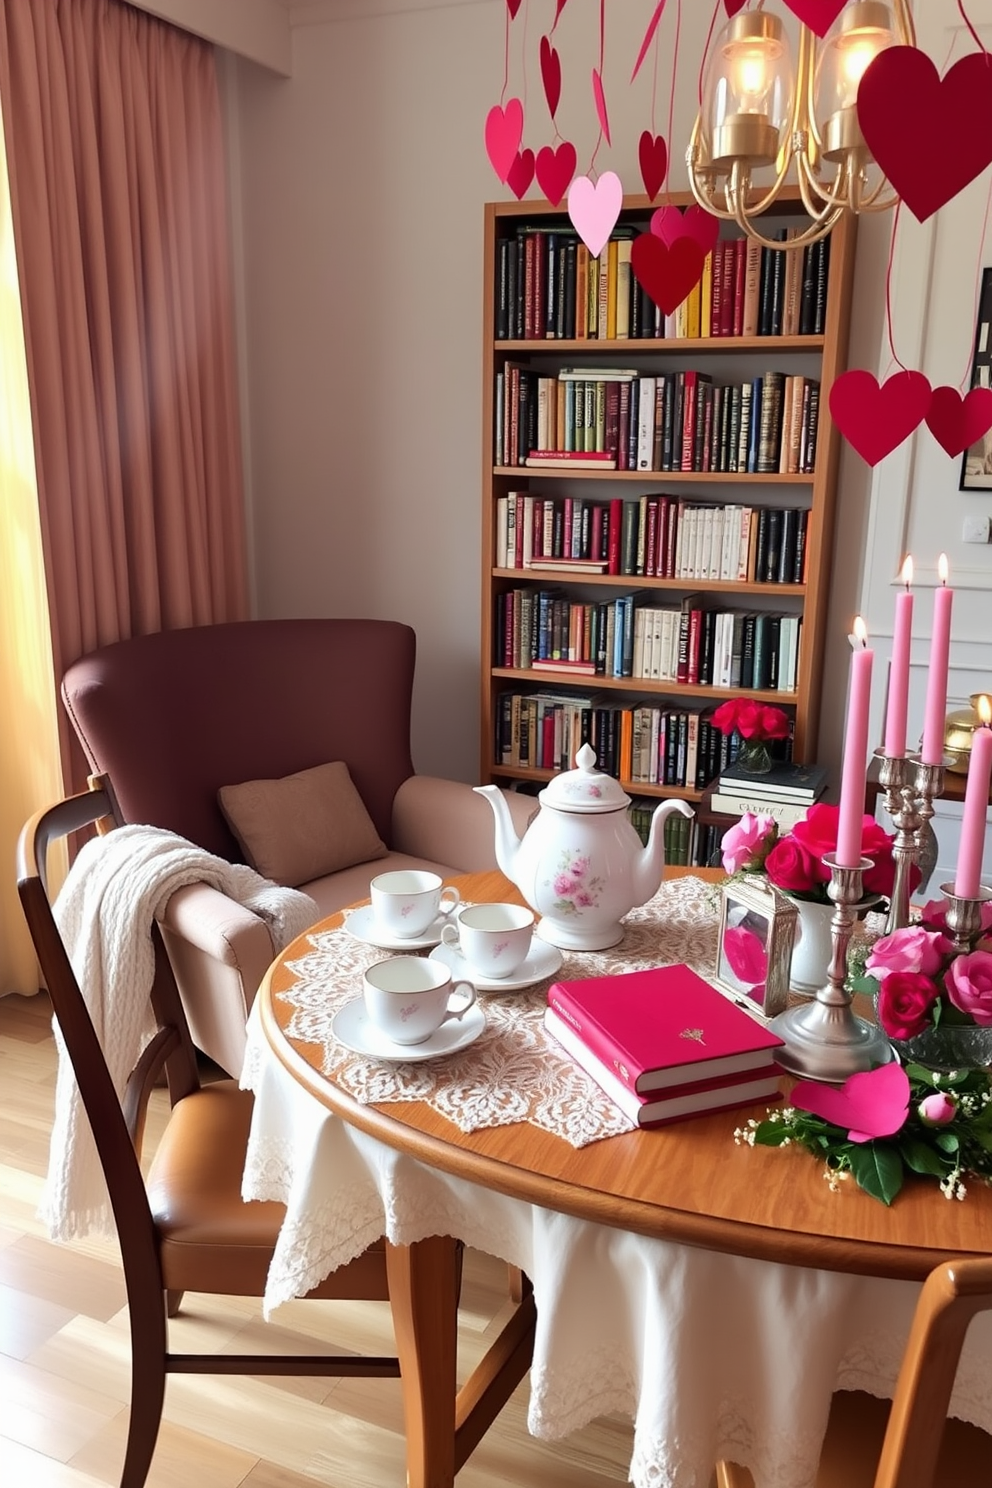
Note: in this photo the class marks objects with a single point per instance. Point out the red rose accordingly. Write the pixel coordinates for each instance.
(725, 717)
(749, 719)
(904, 1002)
(774, 724)
(817, 831)
(791, 866)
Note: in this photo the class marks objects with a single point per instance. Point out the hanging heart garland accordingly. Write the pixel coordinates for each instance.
(648, 37)
(818, 15)
(669, 224)
(558, 10)
(504, 130)
(957, 423)
(666, 274)
(593, 208)
(513, 6)
(931, 151)
(521, 173)
(550, 75)
(733, 6)
(554, 169)
(875, 419)
(652, 153)
(600, 98)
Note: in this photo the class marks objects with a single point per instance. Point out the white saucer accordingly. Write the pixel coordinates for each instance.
(542, 961)
(352, 1026)
(361, 924)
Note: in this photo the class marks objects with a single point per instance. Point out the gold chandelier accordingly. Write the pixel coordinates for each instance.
(760, 114)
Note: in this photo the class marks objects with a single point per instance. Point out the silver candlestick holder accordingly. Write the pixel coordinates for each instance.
(963, 917)
(825, 1039)
(897, 777)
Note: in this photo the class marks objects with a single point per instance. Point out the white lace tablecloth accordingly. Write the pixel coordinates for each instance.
(711, 1355)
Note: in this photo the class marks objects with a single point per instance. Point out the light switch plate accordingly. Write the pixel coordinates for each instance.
(975, 530)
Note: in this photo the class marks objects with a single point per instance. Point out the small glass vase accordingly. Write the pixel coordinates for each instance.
(754, 757)
(955, 1046)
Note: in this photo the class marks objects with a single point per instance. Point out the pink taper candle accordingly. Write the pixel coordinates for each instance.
(852, 782)
(940, 651)
(902, 639)
(968, 879)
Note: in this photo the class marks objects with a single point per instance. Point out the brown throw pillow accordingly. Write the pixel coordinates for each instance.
(303, 826)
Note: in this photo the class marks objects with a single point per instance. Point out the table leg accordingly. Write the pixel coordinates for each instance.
(444, 1424)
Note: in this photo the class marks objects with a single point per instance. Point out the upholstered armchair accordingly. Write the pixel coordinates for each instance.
(173, 720)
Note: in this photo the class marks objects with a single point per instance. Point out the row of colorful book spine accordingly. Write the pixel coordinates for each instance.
(651, 536)
(690, 643)
(640, 743)
(549, 287)
(689, 843)
(671, 421)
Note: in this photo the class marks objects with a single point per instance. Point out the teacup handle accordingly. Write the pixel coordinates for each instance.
(449, 901)
(469, 990)
(449, 935)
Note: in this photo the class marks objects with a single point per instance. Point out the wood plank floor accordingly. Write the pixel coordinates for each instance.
(64, 1355)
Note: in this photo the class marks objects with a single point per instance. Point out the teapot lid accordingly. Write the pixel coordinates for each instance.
(585, 788)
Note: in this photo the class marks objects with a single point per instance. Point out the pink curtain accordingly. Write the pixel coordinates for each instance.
(119, 195)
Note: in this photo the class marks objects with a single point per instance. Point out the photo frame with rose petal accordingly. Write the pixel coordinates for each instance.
(754, 949)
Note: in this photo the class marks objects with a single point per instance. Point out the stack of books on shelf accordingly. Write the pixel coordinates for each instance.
(549, 287)
(786, 792)
(612, 418)
(664, 1044)
(657, 536)
(547, 630)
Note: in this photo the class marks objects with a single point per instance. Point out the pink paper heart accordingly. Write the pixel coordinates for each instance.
(600, 97)
(652, 152)
(875, 419)
(930, 151)
(550, 75)
(504, 128)
(870, 1104)
(554, 170)
(957, 423)
(593, 208)
(669, 224)
(818, 15)
(666, 274)
(521, 173)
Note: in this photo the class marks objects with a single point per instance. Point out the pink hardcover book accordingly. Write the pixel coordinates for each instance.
(663, 1027)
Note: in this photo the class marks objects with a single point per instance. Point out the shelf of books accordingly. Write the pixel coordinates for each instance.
(627, 590)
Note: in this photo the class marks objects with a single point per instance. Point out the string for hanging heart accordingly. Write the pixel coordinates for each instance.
(594, 205)
(652, 149)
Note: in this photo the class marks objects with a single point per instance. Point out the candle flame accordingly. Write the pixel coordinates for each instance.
(985, 710)
(942, 569)
(907, 570)
(860, 631)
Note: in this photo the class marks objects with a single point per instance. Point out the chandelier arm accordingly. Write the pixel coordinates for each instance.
(816, 230)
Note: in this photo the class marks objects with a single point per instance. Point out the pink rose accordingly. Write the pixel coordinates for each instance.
(934, 914)
(745, 844)
(791, 866)
(746, 955)
(904, 1003)
(910, 949)
(938, 1109)
(969, 986)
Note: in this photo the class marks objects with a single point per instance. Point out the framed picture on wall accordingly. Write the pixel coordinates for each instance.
(976, 463)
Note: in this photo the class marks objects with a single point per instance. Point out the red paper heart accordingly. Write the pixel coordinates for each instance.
(521, 173)
(872, 1103)
(733, 6)
(513, 6)
(818, 15)
(669, 224)
(554, 170)
(600, 99)
(652, 152)
(930, 151)
(558, 10)
(875, 419)
(504, 127)
(957, 423)
(550, 75)
(665, 273)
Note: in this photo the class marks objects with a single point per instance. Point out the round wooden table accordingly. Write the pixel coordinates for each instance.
(768, 1204)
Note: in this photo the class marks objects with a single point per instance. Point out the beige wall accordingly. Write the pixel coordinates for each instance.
(362, 181)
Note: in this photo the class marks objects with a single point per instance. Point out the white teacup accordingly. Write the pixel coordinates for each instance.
(494, 939)
(408, 900)
(408, 998)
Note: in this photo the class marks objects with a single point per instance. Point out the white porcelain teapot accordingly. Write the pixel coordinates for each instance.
(581, 865)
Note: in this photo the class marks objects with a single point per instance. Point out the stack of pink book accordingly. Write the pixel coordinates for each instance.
(664, 1043)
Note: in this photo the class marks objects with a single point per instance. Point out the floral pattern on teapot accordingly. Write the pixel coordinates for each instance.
(573, 886)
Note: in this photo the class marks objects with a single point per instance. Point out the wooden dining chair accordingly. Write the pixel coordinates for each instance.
(186, 1228)
(910, 1442)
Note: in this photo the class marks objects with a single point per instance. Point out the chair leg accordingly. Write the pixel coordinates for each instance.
(173, 1302)
(147, 1399)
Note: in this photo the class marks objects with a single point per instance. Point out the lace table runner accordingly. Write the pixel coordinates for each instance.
(514, 1071)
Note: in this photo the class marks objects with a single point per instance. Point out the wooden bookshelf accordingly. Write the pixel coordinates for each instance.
(731, 361)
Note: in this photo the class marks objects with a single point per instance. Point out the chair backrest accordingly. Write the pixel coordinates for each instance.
(117, 1124)
(170, 718)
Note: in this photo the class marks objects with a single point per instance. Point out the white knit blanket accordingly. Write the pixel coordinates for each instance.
(118, 885)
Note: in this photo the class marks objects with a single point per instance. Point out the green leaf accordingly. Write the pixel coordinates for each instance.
(866, 984)
(921, 1158)
(877, 1168)
(771, 1133)
(946, 1141)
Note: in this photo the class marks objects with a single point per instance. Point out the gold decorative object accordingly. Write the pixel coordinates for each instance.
(958, 729)
(758, 114)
